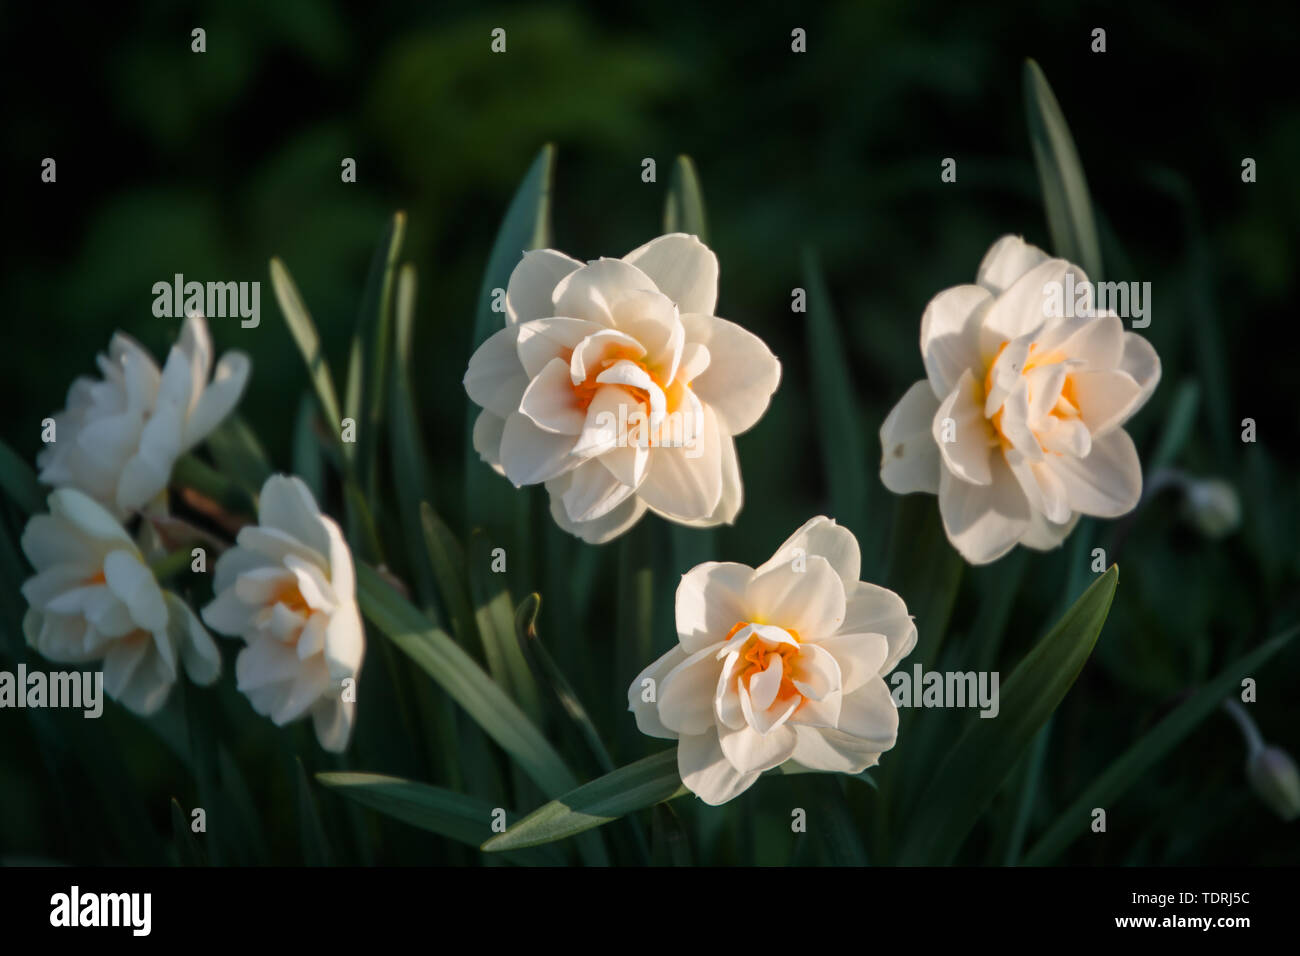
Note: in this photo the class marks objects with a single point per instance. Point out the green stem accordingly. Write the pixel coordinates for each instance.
(171, 564)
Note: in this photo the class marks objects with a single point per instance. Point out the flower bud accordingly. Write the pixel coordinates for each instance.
(1276, 780)
(1213, 506)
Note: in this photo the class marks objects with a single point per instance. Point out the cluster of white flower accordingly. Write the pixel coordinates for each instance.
(286, 587)
(1017, 427)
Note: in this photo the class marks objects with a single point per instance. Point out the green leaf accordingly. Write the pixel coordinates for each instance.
(630, 788)
(1178, 426)
(446, 558)
(838, 422)
(924, 570)
(1026, 793)
(791, 769)
(18, 479)
(550, 673)
(1065, 190)
(187, 848)
(670, 845)
(410, 459)
(483, 699)
(13, 607)
(986, 753)
(304, 333)
(527, 225)
(456, 816)
(315, 846)
(352, 391)
(191, 472)
(307, 461)
(363, 533)
(684, 207)
(1150, 748)
(494, 612)
(374, 330)
(634, 615)
(831, 821)
(237, 798)
(239, 455)
(684, 212)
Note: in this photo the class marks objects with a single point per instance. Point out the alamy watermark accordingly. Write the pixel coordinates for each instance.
(77, 690)
(74, 908)
(1087, 299)
(946, 689)
(214, 300)
(635, 428)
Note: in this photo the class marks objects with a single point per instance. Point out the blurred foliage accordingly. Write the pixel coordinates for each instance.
(209, 164)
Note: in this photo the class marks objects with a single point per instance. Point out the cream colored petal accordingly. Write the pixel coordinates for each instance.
(909, 457)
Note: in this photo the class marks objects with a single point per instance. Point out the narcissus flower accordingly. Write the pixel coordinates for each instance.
(615, 385)
(1018, 425)
(119, 437)
(288, 589)
(785, 662)
(94, 599)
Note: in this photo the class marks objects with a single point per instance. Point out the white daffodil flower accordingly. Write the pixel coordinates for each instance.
(94, 599)
(616, 385)
(1018, 425)
(119, 437)
(288, 589)
(781, 663)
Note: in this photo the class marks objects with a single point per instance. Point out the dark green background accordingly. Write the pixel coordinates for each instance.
(208, 165)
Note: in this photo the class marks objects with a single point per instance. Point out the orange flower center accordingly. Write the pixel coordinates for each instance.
(586, 390)
(759, 657)
(291, 597)
(1067, 406)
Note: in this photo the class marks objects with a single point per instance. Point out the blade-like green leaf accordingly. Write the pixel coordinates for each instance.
(18, 480)
(13, 569)
(791, 769)
(987, 752)
(187, 848)
(494, 613)
(1029, 777)
(549, 673)
(410, 460)
(925, 570)
(354, 380)
(304, 333)
(1178, 426)
(1150, 748)
(630, 788)
(830, 821)
(684, 212)
(635, 606)
(363, 533)
(1065, 190)
(307, 461)
(443, 660)
(684, 207)
(670, 845)
(527, 225)
(374, 331)
(238, 454)
(456, 816)
(191, 472)
(838, 422)
(446, 558)
(237, 799)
